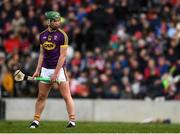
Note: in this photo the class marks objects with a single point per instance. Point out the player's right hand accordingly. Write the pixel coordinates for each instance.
(36, 74)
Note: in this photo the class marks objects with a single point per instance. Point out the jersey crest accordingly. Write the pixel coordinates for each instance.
(48, 45)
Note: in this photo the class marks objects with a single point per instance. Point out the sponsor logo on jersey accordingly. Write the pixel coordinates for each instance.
(48, 45)
(44, 37)
(55, 37)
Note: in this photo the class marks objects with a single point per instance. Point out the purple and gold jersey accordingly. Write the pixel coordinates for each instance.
(52, 42)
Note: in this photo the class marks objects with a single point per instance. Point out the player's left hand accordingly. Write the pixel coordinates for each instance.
(54, 78)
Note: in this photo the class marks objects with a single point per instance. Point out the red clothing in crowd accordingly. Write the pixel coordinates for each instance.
(11, 44)
(149, 72)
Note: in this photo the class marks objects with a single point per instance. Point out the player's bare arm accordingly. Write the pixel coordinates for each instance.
(61, 60)
(40, 60)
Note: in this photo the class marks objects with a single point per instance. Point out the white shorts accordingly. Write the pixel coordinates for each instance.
(49, 72)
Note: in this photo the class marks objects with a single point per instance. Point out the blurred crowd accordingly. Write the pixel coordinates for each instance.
(118, 49)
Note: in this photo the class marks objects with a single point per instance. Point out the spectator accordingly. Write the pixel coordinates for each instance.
(17, 21)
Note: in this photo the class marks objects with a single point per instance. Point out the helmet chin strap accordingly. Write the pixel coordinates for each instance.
(49, 22)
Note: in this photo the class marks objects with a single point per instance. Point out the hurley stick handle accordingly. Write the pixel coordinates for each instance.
(45, 79)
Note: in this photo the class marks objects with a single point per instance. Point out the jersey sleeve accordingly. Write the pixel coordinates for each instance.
(65, 41)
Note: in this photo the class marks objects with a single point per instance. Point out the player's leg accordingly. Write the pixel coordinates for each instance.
(40, 103)
(41, 99)
(65, 92)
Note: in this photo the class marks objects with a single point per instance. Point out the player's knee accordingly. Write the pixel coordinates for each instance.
(42, 97)
(67, 97)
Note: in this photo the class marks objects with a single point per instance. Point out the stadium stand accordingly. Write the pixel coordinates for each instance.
(119, 49)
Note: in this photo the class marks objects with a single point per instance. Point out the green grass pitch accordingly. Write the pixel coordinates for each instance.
(86, 127)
